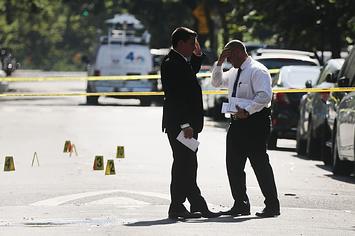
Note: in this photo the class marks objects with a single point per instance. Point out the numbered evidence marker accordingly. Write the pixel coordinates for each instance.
(120, 152)
(110, 168)
(99, 163)
(72, 148)
(67, 146)
(35, 157)
(9, 164)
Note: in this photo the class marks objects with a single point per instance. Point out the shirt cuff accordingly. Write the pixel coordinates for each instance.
(183, 126)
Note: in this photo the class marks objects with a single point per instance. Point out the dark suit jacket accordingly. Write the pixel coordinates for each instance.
(183, 95)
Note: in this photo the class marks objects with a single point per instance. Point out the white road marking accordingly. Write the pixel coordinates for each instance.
(119, 202)
(67, 198)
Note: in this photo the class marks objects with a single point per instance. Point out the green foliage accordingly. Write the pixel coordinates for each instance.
(53, 35)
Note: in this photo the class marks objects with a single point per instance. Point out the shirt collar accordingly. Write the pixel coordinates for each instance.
(246, 63)
(186, 59)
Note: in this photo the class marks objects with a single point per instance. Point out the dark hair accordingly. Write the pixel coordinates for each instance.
(182, 33)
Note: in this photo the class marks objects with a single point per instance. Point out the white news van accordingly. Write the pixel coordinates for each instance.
(124, 51)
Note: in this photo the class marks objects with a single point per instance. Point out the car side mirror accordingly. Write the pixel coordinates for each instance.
(308, 84)
(343, 82)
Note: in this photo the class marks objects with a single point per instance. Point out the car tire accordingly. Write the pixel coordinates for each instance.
(216, 112)
(313, 144)
(301, 146)
(325, 150)
(272, 141)
(145, 101)
(92, 100)
(340, 167)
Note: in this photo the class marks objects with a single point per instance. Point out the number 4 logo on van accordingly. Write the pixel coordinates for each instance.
(130, 56)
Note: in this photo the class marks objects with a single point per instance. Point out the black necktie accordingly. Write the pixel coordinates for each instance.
(236, 83)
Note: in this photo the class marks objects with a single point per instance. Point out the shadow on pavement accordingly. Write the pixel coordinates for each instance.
(285, 149)
(165, 221)
(346, 179)
(228, 219)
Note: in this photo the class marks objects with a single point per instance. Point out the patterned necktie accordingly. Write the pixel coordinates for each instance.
(236, 83)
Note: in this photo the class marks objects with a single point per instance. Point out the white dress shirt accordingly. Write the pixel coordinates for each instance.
(254, 86)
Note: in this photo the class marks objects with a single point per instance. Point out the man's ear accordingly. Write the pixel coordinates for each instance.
(179, 43)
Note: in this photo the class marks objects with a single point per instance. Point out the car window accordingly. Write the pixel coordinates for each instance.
(297, 78)
(272, 63)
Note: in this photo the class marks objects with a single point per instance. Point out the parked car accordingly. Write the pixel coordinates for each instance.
(313, 131)
(285, 106)
(335, 115)
(344, 136)
(277, 58)
(273, 59)
(3, 84)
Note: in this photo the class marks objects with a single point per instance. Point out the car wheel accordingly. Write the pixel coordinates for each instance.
(325, 150)
(145, 101)
(216, 112)
(272, 141)
(92, 100)
(313, 149)
(301, 146)
(340, 167)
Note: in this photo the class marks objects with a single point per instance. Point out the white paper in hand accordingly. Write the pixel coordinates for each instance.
(190, 143)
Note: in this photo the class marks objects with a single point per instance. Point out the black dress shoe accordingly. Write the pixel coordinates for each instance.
(238, 211)
(268, 212)
(183, 215)
(204, 211)
(207, 213)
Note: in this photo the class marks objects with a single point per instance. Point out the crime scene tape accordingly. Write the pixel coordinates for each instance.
(89, 78)
(97, 78)
(207, 92)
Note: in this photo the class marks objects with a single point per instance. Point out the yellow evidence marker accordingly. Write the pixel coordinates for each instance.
(67, 146)
(120, 152)
(35, 157)
(72, 148)
(9, 164)
(110, 168)
(99, 163)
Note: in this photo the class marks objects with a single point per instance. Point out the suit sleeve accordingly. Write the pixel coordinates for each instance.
(175, 86)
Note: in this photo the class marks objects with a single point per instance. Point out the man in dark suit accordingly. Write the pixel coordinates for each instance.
(183, 111)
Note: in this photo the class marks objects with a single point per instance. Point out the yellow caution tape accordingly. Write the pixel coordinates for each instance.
(208, 92)
(89, 78)
(96, 78)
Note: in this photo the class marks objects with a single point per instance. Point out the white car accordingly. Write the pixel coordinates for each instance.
(3, 85)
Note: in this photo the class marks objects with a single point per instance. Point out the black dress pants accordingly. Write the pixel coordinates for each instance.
(247, 138)
(183, 175)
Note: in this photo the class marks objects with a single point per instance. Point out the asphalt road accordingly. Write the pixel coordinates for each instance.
(65, 196)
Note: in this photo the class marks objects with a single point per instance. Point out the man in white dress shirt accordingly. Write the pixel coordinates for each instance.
(249, 90)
